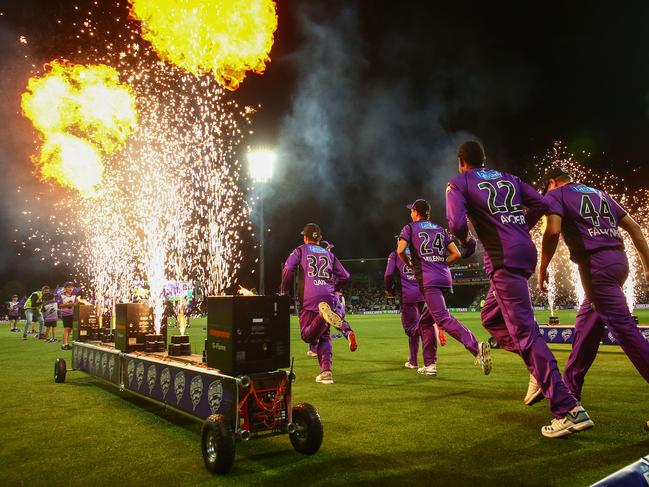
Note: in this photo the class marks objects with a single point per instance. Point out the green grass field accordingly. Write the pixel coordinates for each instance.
(384, 424)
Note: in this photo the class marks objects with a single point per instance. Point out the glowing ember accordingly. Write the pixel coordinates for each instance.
(244, 292)
(225, 38)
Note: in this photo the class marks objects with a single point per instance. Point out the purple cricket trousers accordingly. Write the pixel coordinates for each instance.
(509, 317)
(410, 316)
(602, 277)
(314, 329)
(437, 312)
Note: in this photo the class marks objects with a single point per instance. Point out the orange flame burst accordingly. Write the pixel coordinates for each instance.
(225, 38)
(82, 113)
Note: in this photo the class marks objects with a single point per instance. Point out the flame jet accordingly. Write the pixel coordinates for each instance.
(225, 38)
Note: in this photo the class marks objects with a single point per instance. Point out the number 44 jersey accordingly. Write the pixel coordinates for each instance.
(502, 209)
(589, 219)
(320, 274)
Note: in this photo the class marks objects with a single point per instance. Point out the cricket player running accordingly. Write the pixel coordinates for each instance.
(495, 203)
(321, 276)
(431, 252)
(589, 219)
(400, 279)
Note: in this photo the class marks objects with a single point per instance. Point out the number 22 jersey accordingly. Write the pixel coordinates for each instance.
(320, 274)
(495, 203)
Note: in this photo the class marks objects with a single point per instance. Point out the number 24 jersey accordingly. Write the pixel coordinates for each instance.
(428, 243)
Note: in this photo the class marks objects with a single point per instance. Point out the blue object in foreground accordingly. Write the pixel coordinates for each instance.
(634, 475)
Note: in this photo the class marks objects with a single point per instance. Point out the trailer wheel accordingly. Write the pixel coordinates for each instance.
(493, 343)
(60, 370)
(217, 444)
(307, 437)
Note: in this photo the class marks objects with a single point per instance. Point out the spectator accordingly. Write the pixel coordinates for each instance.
(33, 313)
(13, 313)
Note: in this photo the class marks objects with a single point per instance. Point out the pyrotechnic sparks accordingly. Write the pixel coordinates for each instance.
(165, 202)
(225, 38)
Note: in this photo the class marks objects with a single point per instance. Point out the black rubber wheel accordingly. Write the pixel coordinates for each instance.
(60, 370)
(493, 343)
(217, 444)
(307, 438)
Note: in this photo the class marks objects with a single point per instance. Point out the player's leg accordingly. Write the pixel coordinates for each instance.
(587, 337)
(437, 306)
(494, 322)
(313, 350)
(41, 323)
(312, 326)
(346, 329)
(28, 322)
(53, 331)
(325, 353)
(612, 308)
(429, 342)
(67, 328)
(410, 320)
(513, 297)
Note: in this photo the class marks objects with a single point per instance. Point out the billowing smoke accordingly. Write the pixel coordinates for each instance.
(356, 142)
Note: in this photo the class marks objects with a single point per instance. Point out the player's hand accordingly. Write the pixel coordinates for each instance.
(543, 280)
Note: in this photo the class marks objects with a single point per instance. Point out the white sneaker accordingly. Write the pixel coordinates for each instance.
(534, 392)
(483, 359)
(309, 353)
(325, 377)
(428, 370)
(408, 365)
(575, 421)
(330, 316)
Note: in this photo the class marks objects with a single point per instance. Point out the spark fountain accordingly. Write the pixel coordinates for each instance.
(151, 173)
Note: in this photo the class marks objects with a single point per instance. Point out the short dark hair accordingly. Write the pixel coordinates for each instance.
(472, 153)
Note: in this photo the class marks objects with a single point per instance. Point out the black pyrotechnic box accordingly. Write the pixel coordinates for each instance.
(134, 329)
(248, 334)
(85, 324)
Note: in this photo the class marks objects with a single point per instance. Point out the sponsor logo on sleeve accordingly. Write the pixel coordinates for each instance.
(196, 390)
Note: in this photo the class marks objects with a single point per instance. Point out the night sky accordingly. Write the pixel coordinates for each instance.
(366, 102)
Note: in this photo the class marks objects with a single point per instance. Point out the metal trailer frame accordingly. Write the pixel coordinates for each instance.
(261, 402)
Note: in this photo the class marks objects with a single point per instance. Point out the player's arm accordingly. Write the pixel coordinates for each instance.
(536, 205)
(456, 213)
(388, 276)
(639, 241)
(453, 254)
(341, 275)
(548, 248)
(289, 269)
(401, 252)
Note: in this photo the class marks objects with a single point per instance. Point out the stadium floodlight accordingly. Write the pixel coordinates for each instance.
(260, 168)
(260, 165)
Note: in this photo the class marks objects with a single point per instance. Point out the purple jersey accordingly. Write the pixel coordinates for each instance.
(428, 242)
(13, 309)
(495, 203)
(50, 311)
(589, 219)
(65, 299)
(399, 275)
(320, 275)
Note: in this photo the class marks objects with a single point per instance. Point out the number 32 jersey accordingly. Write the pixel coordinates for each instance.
(589, 219)
(320, 275)
(495, 203)
(428, 242)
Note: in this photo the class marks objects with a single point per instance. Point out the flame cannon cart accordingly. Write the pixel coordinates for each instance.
(232, 406)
